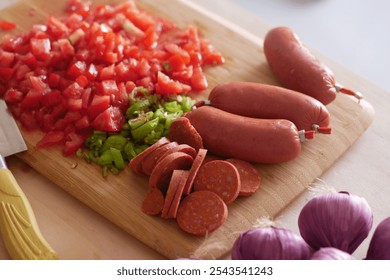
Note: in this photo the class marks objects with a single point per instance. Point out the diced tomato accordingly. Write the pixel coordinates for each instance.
(76, 69)
(54, 80)
(75, 104)
(175, 63)
(6, 74)
(82, 80)
(27, 119)
(37, 83)
(6, 58)
(7, 25)
(73, 142)
(82, 123)
(166, 86)
(98, 105)
(75, 73)
(111, 120)
(108, 87)
(57, 28)
(13, 96)
(176, 50)
(51, 138)
(40, 48)
(33, 99)
(198, 79)
(52, 98)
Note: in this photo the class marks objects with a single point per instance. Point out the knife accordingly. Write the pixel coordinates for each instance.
(18, 226)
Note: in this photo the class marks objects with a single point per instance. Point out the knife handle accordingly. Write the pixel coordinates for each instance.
(18, 226)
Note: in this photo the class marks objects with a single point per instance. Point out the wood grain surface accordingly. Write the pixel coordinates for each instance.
(118, 198)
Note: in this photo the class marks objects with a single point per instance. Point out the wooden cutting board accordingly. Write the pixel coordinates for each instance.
(118, 198)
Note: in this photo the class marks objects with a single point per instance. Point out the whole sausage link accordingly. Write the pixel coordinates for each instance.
(298, 69)
(250, 139)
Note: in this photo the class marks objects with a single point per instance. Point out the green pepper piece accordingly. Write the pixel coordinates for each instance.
(114, 141)
(140, 120)
(141, 132)
(187, 103)
(117, 158)
(105, 158)
(129, 150)
(172, 106)
(137, 107)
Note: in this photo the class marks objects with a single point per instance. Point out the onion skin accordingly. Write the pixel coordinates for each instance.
(340, 220)
(270, 243)
(330, 253)
(379, 248)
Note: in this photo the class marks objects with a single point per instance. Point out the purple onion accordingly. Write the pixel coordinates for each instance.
(379, 248)
(340, 220)
(330, 253)
(270, 243)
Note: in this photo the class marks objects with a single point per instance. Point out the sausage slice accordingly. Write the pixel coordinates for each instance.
(201, 213)
(153, 202)
(162, 172)
(136, 162)
(249, 176)
(182, 131)
(220, 177)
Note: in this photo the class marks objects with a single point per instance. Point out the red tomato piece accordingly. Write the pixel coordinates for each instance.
(198, 79)
(98, 105)
(40, 48)
(166, 86)
(73, 142)
(6, 74)
(7, 25)
(13, 96)
(111, 120)
(6, 58)
(51, 138)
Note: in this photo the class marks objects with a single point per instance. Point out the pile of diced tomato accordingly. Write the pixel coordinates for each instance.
(72, 75)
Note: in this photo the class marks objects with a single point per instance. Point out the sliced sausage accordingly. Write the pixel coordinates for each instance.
(153, 202)
(162, 172)
(198, 160)
(174, 193)
(263, 101)
(150, 161)
(136, 162)
(250, 139)
(220, 177)
(250, 177)
(201, 213)
(183, 132)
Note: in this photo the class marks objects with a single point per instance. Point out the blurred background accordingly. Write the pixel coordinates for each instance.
(355, 33)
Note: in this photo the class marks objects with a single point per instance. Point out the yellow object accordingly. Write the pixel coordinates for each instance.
(18, 225)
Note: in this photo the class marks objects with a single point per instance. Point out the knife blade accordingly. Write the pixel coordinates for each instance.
(18, 225)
